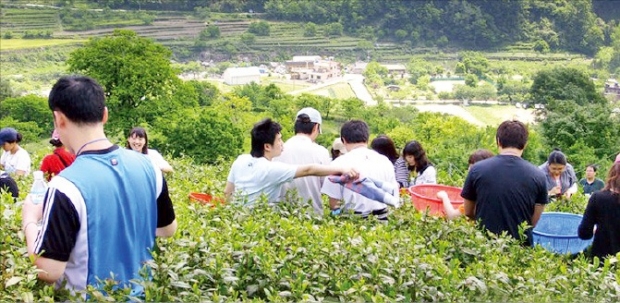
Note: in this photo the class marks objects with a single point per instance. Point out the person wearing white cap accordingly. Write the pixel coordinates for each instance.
(302, 149)
(338, 148)
(14, 160)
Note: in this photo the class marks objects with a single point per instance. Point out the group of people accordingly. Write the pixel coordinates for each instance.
(102, 212)
(16, 162)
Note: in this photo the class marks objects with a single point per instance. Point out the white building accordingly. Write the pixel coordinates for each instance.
(241, 75)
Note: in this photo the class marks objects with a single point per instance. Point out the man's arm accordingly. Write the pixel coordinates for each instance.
(538, 210)
(166, 218)
(324, 170)
(333, 203)
(451, 213)
(167, 231)
(470, 209)
(50, 269)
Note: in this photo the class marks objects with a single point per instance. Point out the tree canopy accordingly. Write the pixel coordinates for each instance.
(133, 70)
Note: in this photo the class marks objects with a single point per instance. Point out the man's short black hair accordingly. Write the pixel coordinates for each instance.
(264, 132)
(355, 131)
(81, 99)
(303, 125)
(512, 134)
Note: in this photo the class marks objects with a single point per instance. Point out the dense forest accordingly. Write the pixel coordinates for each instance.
(574, 25)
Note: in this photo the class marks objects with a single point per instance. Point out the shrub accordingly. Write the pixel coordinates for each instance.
(260, 28)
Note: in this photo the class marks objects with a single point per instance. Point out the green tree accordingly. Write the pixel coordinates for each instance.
(471, 80)
(30, 108)
(310, 29)
(207, 92)
(206, 134)
(541, 46)
(334, 29)
(590, 125)
(210, 32)
(551, 87)
(401, 34)
(260, 28)
(247, 38)
(474, 63)
(132, 70)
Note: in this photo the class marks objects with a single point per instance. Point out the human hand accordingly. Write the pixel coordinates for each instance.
(351, 173)
(31, 212)
(555, 191)
(442, 195)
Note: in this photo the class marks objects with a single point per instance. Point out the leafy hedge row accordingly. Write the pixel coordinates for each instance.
(230, 254)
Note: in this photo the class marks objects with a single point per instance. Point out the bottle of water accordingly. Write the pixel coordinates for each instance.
(39, 188)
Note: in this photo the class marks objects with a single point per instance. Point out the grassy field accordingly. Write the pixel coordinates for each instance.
(337, 91)
(16, 44)
(496, 114)
(285, 85)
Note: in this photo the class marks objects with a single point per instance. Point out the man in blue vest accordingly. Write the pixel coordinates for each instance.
(100, 215)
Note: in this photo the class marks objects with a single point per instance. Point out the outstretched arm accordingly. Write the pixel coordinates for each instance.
(451, 213)
(324, 170)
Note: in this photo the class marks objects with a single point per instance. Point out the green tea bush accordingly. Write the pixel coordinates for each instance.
(283, 253)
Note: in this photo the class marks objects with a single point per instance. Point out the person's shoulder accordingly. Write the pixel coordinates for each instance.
(154, 152)
(22, 152)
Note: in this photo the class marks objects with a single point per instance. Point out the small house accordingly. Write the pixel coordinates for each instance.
(241, 75)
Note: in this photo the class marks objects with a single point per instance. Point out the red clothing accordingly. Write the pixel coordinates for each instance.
(56, 162)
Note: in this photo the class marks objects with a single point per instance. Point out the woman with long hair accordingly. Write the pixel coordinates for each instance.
(385, 146)
(415, 156)
(138, 141)
(603, 210)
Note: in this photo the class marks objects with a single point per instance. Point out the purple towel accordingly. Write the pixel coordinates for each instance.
(380, 191)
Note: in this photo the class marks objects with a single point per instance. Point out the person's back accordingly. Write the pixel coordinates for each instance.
(301, 149)
(119, 215)
(507, 188)
(8, 184)
(256, 176)
(369, 163)
(505, 191)
(100, 216)
(602, 212)
(54, 163)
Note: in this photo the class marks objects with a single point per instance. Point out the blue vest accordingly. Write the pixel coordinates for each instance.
(120, 192)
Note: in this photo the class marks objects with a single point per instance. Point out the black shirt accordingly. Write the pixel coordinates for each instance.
(505, 190)
(9, 185)
(603, 210)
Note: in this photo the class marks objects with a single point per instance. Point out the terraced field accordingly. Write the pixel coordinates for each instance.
(21, 20)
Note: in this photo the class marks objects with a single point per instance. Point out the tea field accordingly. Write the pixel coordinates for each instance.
(283, 254)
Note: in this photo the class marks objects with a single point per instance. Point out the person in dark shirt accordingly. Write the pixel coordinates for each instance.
(591, 183)
(603, 210)
(7, 184)
(504, 191)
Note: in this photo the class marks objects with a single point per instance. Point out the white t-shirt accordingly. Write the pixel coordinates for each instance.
(14, 162)
(368, 163)
(428, 176)
(157, 158)
(301, 150)
(255, 176)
